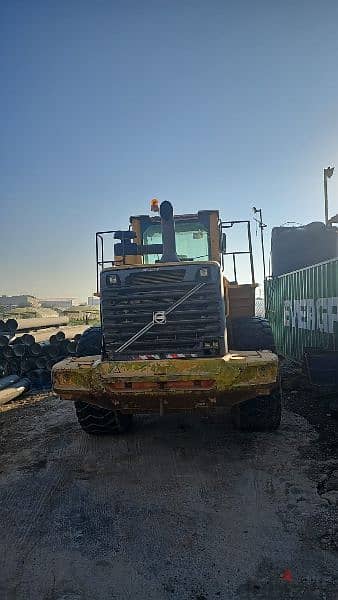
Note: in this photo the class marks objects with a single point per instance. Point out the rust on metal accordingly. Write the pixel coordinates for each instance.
(167, 385)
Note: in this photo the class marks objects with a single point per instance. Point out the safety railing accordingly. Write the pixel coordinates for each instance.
(229, 225)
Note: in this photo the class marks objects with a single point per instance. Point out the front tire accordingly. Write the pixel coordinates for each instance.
(94, 419)
(258, 414)
(250, 333)
(262, 413)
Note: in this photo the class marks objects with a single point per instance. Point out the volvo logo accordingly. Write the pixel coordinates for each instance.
(159, 317)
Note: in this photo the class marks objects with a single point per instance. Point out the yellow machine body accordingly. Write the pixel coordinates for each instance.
(167, 385)
(173, 384)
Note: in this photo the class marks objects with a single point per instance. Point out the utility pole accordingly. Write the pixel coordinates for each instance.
(261, 226)
(328, 172)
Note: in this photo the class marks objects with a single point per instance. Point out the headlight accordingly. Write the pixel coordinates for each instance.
(112, 280)
(204, 272)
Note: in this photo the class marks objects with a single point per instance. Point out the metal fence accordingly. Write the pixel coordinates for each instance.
(259, 307)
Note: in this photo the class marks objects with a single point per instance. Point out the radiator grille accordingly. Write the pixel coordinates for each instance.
(196, 326)
(154, 278)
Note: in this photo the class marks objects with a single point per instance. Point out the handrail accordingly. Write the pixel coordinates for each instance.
(228, 225)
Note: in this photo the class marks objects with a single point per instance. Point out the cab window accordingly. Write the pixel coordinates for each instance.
(192, 241)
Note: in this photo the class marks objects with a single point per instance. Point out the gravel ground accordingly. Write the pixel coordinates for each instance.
(317, 405)
(182, 508)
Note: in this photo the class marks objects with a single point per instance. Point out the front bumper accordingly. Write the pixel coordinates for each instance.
(166, 385)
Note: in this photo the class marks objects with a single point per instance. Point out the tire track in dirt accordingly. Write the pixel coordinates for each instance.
(182, 508)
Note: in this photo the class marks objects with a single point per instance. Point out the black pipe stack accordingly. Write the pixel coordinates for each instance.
(21, 355)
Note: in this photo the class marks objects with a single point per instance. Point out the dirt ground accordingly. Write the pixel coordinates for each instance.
(183, 507)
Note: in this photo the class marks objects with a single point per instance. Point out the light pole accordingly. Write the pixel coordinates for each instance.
(261, 226)
(328, 172)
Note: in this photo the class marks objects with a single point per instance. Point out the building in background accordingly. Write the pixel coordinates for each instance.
(93, 301)
(60, 303)
(21, 301)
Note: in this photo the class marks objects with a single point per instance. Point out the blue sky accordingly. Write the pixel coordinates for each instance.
(106, 104)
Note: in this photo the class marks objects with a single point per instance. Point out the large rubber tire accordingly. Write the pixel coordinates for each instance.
(259, 414)
(250, 333)
(94, 419)
(101, 421)
(90, 342)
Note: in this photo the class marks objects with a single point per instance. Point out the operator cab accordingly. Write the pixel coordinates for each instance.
(197, 236)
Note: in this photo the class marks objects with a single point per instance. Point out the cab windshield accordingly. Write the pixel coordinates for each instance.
(192, 241)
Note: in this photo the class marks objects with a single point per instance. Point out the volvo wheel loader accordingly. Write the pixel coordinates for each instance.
(176, 333)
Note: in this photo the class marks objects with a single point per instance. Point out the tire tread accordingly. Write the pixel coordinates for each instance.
(101, 421)
(94, 419)
(250, 333)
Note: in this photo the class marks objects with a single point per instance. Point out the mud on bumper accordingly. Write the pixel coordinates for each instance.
(166, 385)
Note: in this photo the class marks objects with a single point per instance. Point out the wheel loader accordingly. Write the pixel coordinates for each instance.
(176, 333)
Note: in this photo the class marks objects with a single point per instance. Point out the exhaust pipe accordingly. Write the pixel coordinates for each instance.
(168, 233)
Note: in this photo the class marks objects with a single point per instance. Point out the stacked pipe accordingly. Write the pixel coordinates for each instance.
(24, 357)
(13, 386)
(11, 325)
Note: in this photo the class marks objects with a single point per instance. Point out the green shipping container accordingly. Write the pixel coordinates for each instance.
(302, 308)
